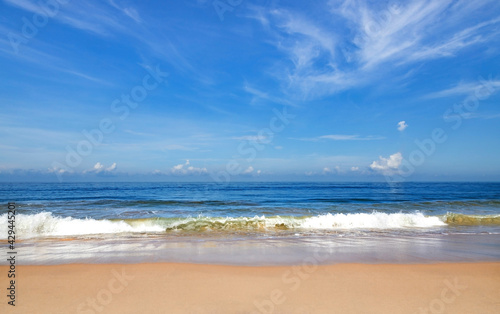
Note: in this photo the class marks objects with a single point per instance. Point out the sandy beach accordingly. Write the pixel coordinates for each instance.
(308, 288)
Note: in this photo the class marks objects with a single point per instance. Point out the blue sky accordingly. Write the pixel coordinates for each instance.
(249, 90)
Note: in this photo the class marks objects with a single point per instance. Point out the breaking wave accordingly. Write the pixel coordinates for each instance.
(45, 224)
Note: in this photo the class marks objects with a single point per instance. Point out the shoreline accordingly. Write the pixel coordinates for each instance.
(272, 251)
(456, 287)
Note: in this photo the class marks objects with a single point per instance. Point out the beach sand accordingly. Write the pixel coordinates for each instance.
(191, 288)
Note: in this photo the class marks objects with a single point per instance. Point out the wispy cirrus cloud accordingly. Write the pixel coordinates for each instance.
(261, 95)
(465, 88)
(350, 45)
(109, 20)
(468, 37)
(131, 12)
(475, 115)
(341, 137)
(103, 20)
(75, 14)
(251, 138)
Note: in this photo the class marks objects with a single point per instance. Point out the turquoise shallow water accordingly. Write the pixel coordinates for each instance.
(253, 223)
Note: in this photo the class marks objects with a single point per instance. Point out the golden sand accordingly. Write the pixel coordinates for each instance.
(190, 288)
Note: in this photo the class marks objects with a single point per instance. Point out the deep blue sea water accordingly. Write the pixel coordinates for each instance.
(109, 221)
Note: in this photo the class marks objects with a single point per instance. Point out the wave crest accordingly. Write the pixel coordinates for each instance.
(45, 224)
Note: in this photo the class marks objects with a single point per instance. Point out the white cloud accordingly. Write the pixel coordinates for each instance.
(387, 164)
(59, 170)
(251, 171)
(354, 168)
(180, 166)
(336, 169)
(112, 167)
(186, 169)
(100, 168)
(402, 126)
(248, 170)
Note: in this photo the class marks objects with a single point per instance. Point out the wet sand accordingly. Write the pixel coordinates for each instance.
(308, 288)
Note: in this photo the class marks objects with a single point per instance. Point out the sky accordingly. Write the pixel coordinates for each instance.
(240, 90)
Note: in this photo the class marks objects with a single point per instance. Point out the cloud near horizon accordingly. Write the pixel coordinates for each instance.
(387, 164)
(100, 168)
(186, 169)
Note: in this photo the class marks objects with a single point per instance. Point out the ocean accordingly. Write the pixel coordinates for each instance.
(252, 223)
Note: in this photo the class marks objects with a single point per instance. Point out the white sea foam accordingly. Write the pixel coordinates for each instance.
(45, 224)
(374, 220)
